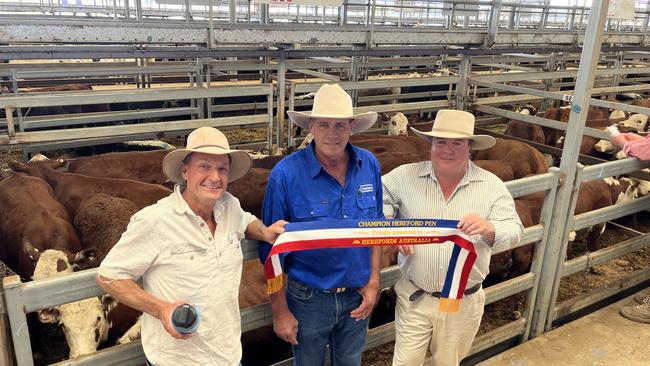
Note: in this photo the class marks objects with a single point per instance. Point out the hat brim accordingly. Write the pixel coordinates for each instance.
(240, 162)
(480, 142)
(362, 121)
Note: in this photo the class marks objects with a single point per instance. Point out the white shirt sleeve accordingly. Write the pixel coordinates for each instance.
(134, 253)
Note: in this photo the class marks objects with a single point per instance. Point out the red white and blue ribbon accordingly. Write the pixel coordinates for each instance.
(381, 232)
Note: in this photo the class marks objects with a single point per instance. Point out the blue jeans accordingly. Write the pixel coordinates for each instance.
(325, 318)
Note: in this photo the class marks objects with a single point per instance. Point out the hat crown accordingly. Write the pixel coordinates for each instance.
(331, 99)
(454, 121)
(207, 136)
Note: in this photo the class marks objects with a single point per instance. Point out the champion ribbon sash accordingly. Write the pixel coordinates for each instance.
(381, 232)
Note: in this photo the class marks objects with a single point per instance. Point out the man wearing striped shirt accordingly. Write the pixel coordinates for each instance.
(449, 187)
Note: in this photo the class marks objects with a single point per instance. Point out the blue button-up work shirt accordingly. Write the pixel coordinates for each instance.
(299, 189)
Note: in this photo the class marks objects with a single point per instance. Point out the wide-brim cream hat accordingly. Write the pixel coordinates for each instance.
(207, 140)
(453, 124)
(331, 101)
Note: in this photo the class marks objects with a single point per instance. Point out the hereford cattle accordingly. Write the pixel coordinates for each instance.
(500, 169)
(523, 158)
(84, 322)
(144, 166)
(71, 189)
(250, 190)
(552, 135)
(267, 162)
(398, 125)
(524, 130)
(597, 194)
(32, 221)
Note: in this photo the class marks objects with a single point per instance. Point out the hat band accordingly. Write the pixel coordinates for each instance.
(217, 146)
(452, 131)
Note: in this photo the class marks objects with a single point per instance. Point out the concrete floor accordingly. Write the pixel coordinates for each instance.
(598, 339)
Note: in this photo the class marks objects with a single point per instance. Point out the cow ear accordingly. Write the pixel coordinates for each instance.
(30, 251)
(109, 302)
(85, 259)
(49, 316)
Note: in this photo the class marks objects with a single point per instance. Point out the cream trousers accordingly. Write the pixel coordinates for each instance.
(419, 324)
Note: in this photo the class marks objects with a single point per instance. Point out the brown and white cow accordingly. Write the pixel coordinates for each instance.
(70, 189)
(523, 158)
(84, 322)
(32, 221)
(143, 166)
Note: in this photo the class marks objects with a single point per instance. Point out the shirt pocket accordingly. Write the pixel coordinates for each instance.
(308, 211)
(194, 266)
(367, 204)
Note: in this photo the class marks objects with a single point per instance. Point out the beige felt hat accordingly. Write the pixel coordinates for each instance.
(453, 124)
(207, 140)
(331, 101)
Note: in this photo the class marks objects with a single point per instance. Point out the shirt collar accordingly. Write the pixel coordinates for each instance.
(181, 207)
(314, 166)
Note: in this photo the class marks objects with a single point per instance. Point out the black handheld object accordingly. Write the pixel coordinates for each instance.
(185, 319)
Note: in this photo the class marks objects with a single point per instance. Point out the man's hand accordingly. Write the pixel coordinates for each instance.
(474, 224)
(285, 325)
(622, 139)
(165, 316)
(271, 233)
(405, 249)
(369, 294)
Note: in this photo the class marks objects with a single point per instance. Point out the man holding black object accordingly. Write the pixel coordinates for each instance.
(448, 187)
(186, 248)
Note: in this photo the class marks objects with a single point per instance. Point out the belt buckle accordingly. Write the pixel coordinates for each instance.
(335, 290)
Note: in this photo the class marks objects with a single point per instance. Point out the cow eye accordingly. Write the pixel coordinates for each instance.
(393, 123)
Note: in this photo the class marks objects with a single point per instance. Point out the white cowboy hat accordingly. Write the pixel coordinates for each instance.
(453, 124)
(331, 101)
(207, 140)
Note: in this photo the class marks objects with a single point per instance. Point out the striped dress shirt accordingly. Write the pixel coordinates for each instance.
(412, 191)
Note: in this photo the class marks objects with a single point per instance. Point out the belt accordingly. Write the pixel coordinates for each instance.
(336, 290)
(419, 292)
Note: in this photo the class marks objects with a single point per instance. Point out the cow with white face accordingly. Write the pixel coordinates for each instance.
(84, 322)
(637, 121)
(398, 125)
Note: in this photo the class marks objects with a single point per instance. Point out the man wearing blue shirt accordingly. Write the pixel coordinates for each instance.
(330, 293)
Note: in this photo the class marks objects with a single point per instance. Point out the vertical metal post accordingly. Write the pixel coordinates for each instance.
(115, 9)
(264, 13)
(127, 11)
(19, 111)
(199, 84)
(511, 18)
(645, 28)
(401, 13)
(138, 10)
(188, 14)
(11, 129)
(462, 86)
(211, 42)
(281, 85)
(616, 80)
(17, 320)
(371, 21)
(292, 101)
(493, 25)
(232, 11)
(552, 265)
(540, 248)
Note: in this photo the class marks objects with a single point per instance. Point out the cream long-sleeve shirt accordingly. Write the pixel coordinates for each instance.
(412, 191)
